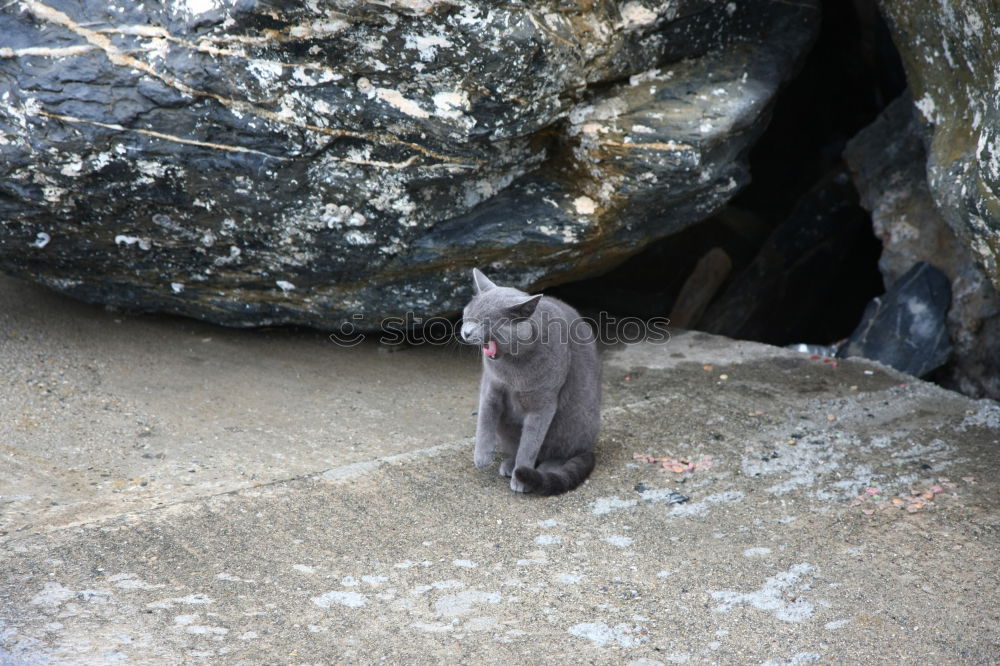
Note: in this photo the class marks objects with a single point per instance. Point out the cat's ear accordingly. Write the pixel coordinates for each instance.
(481, 282)
(525, 308)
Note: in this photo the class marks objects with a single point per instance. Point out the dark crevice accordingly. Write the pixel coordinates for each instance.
(804, 257)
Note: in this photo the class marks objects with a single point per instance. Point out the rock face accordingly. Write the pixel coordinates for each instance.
(905, 327)
(340, 162)
(887, 162)
(951, 53)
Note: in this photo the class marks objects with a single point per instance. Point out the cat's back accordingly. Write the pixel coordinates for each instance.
(577, 335)
(575, 330)
(580, 395)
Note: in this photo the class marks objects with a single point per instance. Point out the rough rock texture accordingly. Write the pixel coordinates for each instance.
(887, 162)
(905, 328)
(951, 53)
(249, 165)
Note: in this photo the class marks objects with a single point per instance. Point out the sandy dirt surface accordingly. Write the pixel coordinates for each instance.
(176, 493)
(105, 412)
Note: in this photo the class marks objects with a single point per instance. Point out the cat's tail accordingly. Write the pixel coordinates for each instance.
(552, 479)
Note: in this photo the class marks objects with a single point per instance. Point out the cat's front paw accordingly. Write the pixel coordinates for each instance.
(517, 486)
(482, 458)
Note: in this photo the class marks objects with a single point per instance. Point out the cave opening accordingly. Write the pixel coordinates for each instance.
(792, 258)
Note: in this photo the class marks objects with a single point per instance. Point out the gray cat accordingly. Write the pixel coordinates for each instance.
(540, 395)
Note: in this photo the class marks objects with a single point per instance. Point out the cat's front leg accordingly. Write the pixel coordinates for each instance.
(490, 406)
(533, 431)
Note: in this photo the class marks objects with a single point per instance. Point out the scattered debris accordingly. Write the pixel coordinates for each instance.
(826, 353)
(814, 351)
(912, 501)
(663, 495)
(675, 465)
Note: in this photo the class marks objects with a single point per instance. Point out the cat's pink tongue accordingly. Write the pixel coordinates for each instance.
(490, 349)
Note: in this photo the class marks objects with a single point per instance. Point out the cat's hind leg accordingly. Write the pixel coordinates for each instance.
(546, 466)
(507, 467)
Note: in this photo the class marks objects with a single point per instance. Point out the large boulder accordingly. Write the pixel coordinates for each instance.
(951, 54)
(905, 328)
(254, 163)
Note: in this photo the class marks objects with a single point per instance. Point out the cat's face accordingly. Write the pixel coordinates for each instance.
(499, 319)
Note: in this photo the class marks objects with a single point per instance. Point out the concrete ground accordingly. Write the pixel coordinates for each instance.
(172, 492)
